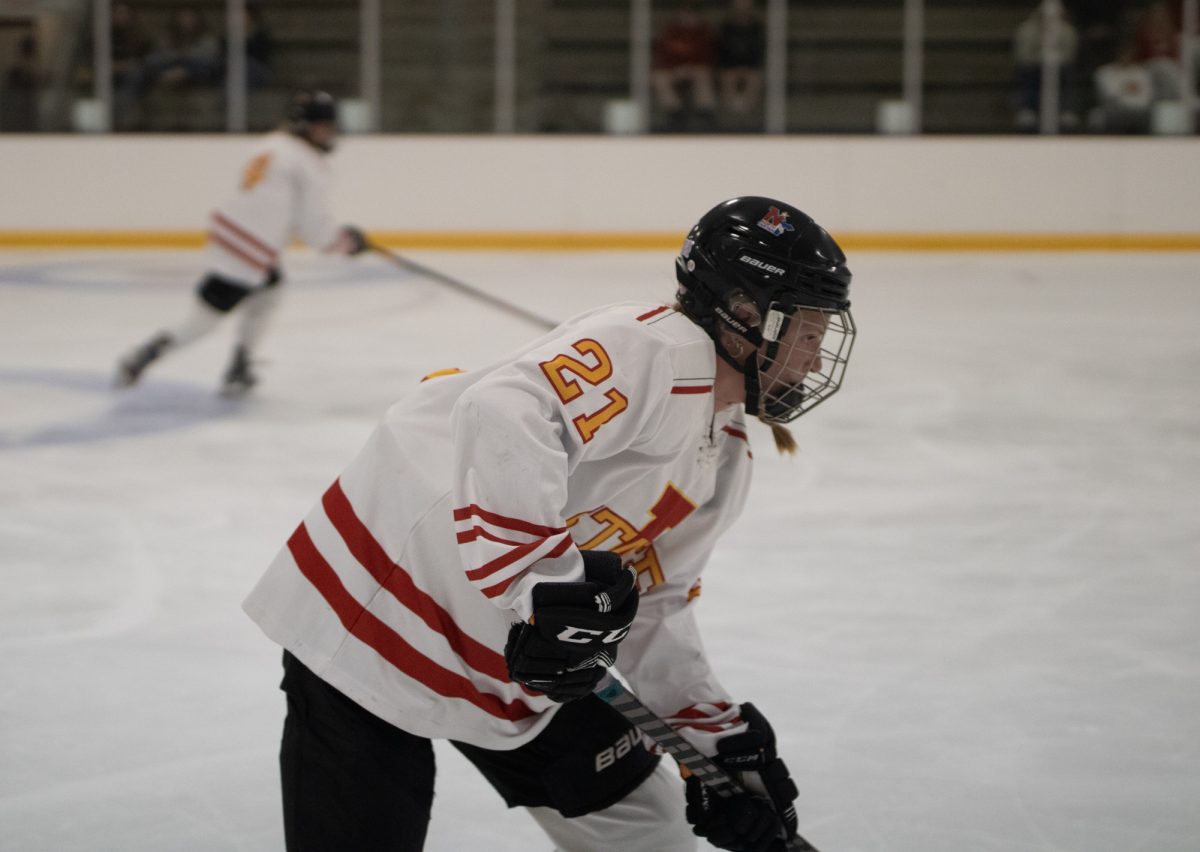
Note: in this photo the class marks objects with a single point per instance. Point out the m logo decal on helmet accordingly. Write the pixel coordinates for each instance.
(775, 222)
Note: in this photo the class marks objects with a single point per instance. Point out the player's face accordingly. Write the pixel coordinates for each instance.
(799, 351)
(322, 134)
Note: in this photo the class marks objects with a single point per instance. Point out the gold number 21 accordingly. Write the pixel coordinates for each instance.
(563, 370)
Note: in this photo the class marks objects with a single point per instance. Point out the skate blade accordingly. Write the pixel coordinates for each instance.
(124, 379)
(234, 391)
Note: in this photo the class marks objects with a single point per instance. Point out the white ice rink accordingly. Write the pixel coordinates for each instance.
(970, 606)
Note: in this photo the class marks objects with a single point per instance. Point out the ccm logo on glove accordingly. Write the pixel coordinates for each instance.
(564, 649)
(583, 636)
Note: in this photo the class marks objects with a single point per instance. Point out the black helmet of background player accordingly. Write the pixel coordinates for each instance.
(312, 115)
(769, 284)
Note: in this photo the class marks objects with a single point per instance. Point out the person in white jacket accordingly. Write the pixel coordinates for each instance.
(505, 530)
(284, 193)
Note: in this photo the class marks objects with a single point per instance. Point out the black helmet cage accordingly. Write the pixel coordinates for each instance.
(734, 279)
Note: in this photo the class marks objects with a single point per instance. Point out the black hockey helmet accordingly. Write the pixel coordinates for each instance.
(308, 107)
(748, 269)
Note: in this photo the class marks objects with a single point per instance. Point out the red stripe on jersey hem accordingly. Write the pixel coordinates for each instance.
(364, 547)
(693, 389)
(515, 524)
(694, 712)
(238, 251)
(653, 313)
(500, 588)
(387, 642)
(241, 232)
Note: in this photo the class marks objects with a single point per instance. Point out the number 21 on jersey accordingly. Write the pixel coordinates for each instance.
(255, 171)
(566, 371)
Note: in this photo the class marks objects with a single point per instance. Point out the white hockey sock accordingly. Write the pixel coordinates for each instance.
(199, 322)
(649, 819)
(257, 310)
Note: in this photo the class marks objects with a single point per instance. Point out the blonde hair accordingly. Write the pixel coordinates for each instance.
(785, 441)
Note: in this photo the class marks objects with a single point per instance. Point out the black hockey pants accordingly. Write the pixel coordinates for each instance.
(351, 781)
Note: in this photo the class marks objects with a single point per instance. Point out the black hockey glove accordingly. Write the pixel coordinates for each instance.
(356, 239)
(761, 816)
(564, 648)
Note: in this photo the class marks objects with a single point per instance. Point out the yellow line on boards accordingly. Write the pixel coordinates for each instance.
(632, 241)
(1018, 242)
(101, 239)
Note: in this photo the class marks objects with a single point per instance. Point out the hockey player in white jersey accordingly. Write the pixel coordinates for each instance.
(284, 193)
(505, 531)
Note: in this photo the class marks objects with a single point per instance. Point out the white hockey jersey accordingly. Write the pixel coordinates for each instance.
(284, 193)
(400, 585)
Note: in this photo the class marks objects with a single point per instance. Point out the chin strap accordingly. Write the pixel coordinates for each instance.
(753, 389)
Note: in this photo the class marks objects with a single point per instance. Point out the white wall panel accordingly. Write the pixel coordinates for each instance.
(537, 184)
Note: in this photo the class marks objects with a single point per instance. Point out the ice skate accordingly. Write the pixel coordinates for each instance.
(239, 378)
(131, 367)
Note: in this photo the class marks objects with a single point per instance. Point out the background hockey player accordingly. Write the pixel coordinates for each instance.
(505, 531)
(284, 193)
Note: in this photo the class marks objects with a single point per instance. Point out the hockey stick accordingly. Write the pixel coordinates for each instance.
(618, 696)
(462, 287)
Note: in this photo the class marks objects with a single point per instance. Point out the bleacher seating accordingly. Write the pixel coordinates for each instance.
(315, 44)
(844, 56)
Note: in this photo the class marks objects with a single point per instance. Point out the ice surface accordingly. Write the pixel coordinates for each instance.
(969, 606)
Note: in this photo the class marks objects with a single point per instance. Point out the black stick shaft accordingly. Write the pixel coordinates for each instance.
(614, 693)
(464, 288)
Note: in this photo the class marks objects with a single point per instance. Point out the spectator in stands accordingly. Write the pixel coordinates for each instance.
(131, 46)
(260, 44)
(684, 54)
(19, 92)
(1100, 25)
(1124, 94)
(188, 54)
(1028, 49)
(1158, 40)
(741, 50)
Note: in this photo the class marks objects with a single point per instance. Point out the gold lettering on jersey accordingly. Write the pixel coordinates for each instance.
(255, 171)
(636, 546)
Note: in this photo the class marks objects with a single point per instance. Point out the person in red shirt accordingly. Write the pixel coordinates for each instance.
(683, 76)
(1157, 40)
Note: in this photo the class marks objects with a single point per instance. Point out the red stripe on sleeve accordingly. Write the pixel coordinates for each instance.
(386, 642)
(692, 389)
(474, 533)
(514, 555)
(371, 555)
(502, 587)
(516, 524)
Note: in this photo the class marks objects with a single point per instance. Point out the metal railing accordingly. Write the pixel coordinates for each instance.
(537, 74)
